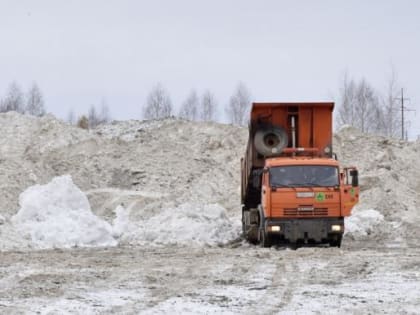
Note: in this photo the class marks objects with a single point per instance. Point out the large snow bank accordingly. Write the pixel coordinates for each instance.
(363, 223)
(58, 214)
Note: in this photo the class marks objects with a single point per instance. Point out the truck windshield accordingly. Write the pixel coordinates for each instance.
(304, 176)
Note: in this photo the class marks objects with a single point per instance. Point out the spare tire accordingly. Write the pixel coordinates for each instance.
(270, 141)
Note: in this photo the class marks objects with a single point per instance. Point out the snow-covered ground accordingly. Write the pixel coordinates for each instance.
(144, 217)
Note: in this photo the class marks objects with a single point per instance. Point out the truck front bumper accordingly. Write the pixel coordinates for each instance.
(318, 230)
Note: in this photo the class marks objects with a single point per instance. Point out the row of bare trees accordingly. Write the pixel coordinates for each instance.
(32, 102)
(195, 107)
(158, 105)
(360, 105)
(368, 109)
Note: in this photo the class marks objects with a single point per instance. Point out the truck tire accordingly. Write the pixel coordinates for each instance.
(265, 239)
(250, 232)
(271, 141)
(336, 241)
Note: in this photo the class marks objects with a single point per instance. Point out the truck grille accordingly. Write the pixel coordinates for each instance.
(306, 212)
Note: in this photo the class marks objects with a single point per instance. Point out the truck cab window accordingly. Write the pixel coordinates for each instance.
(304, 176)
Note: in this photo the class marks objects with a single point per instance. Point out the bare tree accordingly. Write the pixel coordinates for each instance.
(189, 109)
(71, 118)
(35, 101)
(367, 108)
(158, 103)
(391, 107)
(104, 116)
(93, 117)
(208, 107)
(239, 105)
(348, 99)
(360, 106)
(14, 100)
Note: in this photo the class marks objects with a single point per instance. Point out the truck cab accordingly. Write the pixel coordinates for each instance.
(301, 201)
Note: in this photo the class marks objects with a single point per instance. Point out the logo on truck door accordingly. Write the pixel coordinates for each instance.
(320, 196)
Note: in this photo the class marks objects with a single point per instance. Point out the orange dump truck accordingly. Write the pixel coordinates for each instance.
(293, 189)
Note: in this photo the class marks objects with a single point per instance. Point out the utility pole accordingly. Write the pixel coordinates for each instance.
(404, 109)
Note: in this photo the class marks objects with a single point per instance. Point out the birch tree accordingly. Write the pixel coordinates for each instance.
(239, 105)
(208, 107)
(35, 101)
(14, 100)
(158, 104)
(391, 106)
(189, 108)
(71, 117)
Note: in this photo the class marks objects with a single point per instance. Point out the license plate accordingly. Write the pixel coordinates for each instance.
(306, 209)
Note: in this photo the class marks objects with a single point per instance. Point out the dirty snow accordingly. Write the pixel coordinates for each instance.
(58, 215)
(362, 223)
(192, 224)
(167, 192)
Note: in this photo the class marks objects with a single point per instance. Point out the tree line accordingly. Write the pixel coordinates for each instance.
(359, 105)
(368, 109)
(158, 105)
(194, 107)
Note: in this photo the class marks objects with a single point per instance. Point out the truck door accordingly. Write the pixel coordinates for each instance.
(349, 190)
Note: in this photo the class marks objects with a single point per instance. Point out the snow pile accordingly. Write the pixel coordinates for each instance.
(363, 223)
(389, 173)
(151, 168)
(58, 215)
(186, 224)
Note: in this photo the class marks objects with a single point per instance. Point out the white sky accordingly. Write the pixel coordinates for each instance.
(82, 51)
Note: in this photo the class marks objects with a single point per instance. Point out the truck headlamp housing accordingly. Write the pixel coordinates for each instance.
(274, 228)
(336, 228)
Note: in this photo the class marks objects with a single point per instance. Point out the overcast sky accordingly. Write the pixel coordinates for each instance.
(82, 51)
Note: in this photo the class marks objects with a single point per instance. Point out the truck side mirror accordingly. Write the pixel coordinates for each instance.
(354, 178)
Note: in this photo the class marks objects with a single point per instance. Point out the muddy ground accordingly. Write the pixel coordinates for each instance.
(237, 279)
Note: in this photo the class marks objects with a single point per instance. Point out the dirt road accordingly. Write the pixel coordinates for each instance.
(230, 280)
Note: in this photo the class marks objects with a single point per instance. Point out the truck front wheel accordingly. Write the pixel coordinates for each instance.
(265, 239)
(335, 241)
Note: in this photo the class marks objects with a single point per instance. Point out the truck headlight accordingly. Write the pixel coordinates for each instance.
(274, 228)
(336, 228)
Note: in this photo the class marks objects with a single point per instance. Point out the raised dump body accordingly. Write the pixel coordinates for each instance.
(293, 189)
